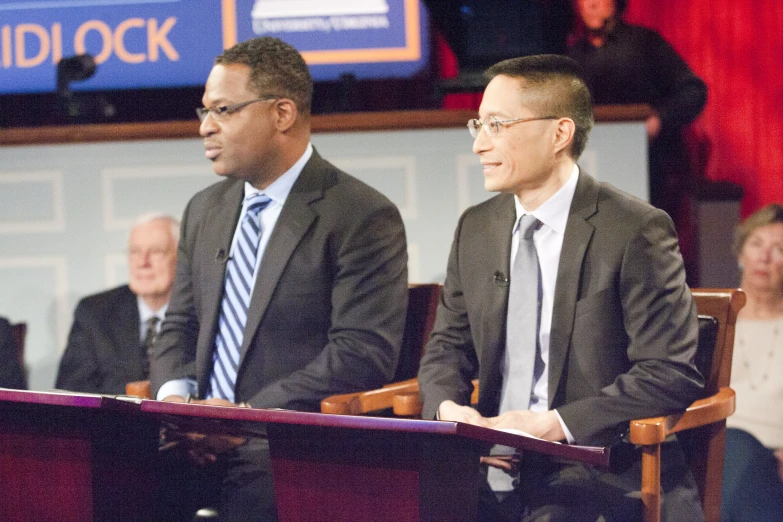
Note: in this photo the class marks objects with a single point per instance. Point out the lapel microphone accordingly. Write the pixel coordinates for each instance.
(500, 279)
(221, 256)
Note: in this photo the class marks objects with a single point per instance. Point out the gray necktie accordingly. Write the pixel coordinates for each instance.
(522, 321)
(522, 324)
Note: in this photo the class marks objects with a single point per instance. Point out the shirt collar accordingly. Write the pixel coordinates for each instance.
(146, 313)
(554, 211)
(279, 189)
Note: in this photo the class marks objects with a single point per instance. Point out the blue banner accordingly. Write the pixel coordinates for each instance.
(172, 43)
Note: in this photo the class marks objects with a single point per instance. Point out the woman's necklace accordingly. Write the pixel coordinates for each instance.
(766, 363)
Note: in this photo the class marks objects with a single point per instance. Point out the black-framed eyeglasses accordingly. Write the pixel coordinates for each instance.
(492, 126)
(220, 112)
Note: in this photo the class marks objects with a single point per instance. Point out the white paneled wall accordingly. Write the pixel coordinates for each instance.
(65, 210)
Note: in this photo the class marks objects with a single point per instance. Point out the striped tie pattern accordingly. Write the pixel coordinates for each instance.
(236, 301)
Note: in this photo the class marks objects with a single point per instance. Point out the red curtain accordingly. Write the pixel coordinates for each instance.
(736, 46)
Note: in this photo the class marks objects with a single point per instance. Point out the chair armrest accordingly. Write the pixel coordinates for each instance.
(139, 389)
(654, 430)
(367, 401)
(408, 404)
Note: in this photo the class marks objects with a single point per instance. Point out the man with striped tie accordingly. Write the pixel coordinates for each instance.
(291, 282)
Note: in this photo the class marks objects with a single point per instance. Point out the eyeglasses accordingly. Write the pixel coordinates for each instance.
(155, 253)
(219, 113)
(492, 127)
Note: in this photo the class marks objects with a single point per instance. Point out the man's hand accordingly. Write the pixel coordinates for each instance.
(544, 425)
(202, 448)
(451, 411)
(205, 448)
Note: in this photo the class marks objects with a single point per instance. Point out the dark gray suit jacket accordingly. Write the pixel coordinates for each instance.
(11, 374)
(624, 326)
(104, 350)
(328, 308)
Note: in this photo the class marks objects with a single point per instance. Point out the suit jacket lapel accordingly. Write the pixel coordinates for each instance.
(578, 233)
(294, 220)
(496, 303)
(219, 225)
(126, 331)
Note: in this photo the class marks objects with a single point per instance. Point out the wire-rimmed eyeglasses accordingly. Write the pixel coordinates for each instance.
(492, 126)
(220, 112)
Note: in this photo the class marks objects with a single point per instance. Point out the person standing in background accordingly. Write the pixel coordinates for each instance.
(629, 64)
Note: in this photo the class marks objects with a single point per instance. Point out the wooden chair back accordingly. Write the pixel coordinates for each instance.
(18, 334)
(422, 304)
(702, 427)
(705, 444)
(419, 320)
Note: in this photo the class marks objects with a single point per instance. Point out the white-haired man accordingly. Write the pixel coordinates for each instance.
(113, 331)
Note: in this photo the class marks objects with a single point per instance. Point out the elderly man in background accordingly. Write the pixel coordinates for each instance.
(113, 331)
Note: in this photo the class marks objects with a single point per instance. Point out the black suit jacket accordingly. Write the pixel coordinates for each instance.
(104, 349)
(624, 328)
(328, 308)
(11, 374)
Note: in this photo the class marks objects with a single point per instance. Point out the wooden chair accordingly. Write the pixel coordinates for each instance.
(704, 420)
(422, 304)
(18, 334)
(140, 389)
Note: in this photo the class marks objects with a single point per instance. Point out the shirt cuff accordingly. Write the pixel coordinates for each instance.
(181, 387)
(570, 438)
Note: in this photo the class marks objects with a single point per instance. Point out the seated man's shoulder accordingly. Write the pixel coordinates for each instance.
(500, 203)
(211, 195)
(107, 299)
(343, 190)
(621, 206)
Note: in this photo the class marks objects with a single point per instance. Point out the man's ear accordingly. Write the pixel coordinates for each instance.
(286, 113)
(564, 134)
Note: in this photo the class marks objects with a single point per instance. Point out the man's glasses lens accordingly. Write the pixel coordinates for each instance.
(491, 127)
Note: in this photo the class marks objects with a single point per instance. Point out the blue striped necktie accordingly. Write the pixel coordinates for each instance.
(236, 301)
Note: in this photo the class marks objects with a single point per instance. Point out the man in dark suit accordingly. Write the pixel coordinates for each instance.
(113, 330)
(281, 308)
(608, 335)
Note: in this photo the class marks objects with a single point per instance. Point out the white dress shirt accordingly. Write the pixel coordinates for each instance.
(548, 239)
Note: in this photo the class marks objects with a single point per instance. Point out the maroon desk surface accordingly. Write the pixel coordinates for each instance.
(88, 457)
(591, 455)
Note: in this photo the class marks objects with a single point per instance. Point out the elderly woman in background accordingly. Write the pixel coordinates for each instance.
(752, 483)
